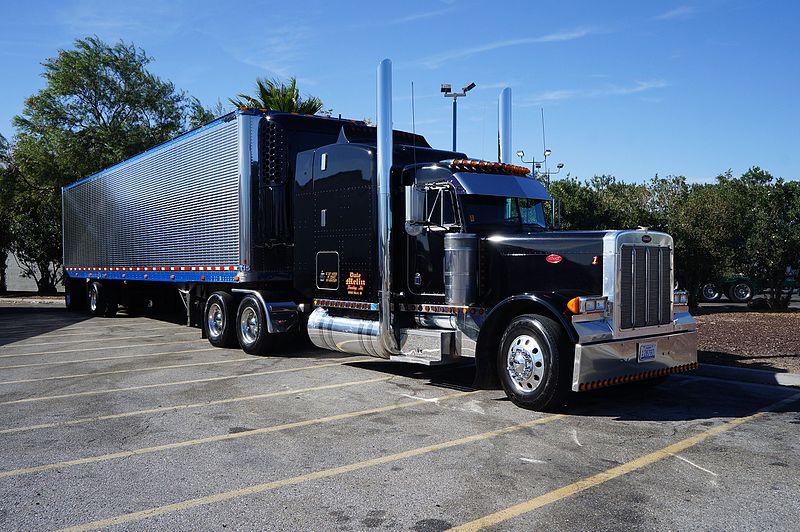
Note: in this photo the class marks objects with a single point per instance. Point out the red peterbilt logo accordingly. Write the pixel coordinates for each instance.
(553, 259)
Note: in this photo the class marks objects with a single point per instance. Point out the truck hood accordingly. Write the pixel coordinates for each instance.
(562, 263)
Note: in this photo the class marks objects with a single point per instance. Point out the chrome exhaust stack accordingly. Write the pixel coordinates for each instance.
(504, 153)
(384, 156)
(352, 335)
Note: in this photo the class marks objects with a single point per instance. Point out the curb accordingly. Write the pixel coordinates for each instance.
(757, 376)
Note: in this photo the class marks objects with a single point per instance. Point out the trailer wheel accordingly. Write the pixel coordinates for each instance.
(218, 320)
(251, 328)
(740, 292)
(710, 292)
(534, 362)
(97, 300)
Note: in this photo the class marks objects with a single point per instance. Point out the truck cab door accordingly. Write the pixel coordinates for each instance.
(425, 251)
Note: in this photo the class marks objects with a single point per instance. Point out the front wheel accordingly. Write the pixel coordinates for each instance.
(534, 362)
(251, 328)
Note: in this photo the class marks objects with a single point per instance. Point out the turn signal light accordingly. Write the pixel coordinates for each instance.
(587, 305)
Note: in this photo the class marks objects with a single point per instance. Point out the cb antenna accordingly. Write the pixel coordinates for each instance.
(544, 141)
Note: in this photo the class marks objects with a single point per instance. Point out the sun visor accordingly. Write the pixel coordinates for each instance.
(499, 185)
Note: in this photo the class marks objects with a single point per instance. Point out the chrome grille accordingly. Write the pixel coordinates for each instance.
(177, 205)
(645, 294)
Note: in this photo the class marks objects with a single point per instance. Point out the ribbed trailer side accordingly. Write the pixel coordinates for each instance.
(176, 208)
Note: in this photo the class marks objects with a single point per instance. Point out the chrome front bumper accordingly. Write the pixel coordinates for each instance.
(616, 362)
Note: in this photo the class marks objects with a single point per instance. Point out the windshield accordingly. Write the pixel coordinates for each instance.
(487, 213)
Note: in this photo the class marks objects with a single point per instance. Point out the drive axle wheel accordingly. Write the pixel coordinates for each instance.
(251, 329)
(218, 320)
(534, 362)
(97, 301)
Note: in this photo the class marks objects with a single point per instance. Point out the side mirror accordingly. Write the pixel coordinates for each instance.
(415, 210)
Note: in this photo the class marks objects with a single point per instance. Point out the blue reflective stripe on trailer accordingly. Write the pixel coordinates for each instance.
(168, 276)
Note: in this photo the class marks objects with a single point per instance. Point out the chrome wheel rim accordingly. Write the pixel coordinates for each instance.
(93, 299)
(215, 320)
(525, 363)
(741, 291)
(710, 291)
(248, 325)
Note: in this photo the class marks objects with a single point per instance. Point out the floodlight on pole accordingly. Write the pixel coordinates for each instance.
(446, 90)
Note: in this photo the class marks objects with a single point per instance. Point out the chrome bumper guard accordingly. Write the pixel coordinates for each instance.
(616, 362)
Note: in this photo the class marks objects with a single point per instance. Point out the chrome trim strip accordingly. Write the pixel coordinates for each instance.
(245, 190)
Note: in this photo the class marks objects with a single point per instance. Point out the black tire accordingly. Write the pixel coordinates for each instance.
(251, 328)
(710, 292)
(75, 296)
(219, 320)
(543, 366)
(96, 300)
(740, 292)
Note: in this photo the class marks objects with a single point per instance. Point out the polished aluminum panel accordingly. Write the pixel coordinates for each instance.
(176, 205)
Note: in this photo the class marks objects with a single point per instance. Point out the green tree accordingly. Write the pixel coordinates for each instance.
(5, 213)
(100, 105)
(199, 115)
(770, 223)
(279, 96)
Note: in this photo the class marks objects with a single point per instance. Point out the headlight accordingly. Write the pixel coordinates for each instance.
(680, 297)
(586, 305)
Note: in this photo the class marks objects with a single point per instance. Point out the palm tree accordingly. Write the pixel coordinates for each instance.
(279, 96)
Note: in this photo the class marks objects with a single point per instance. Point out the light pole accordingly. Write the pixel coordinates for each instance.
(446, 90)
(538, 165)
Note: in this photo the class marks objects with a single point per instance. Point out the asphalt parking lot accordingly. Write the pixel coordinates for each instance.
(137, 423)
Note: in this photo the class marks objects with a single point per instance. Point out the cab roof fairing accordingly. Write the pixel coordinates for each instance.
(485, 184)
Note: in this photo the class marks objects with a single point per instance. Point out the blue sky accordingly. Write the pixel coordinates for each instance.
(628, 88)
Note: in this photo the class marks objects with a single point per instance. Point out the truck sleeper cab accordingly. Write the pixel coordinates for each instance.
(372, 242)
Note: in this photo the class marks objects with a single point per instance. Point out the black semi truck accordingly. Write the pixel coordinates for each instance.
(373, 242)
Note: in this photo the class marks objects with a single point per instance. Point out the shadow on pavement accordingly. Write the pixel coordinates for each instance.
(677, 398)
(19, 323)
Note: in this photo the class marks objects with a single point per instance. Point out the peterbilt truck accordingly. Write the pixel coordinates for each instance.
(372, 242)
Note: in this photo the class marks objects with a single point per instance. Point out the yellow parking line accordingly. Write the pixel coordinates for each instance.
(108, 339)
(224, 437)
(316, 475)
(58, 334)
(103, 348)
(161, 385)
(172, 408)
(99, 359)
(136, 370)
(614, 472)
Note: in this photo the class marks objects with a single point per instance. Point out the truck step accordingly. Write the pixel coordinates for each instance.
(427, 347)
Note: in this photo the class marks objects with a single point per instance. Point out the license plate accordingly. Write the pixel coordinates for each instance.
(647, 352)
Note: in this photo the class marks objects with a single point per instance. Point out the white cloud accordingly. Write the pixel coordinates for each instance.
(678, 12)
(610, 90)
(436, 60)
(421, 16)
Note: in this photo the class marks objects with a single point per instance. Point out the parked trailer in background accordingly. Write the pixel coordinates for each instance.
(373, 242)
